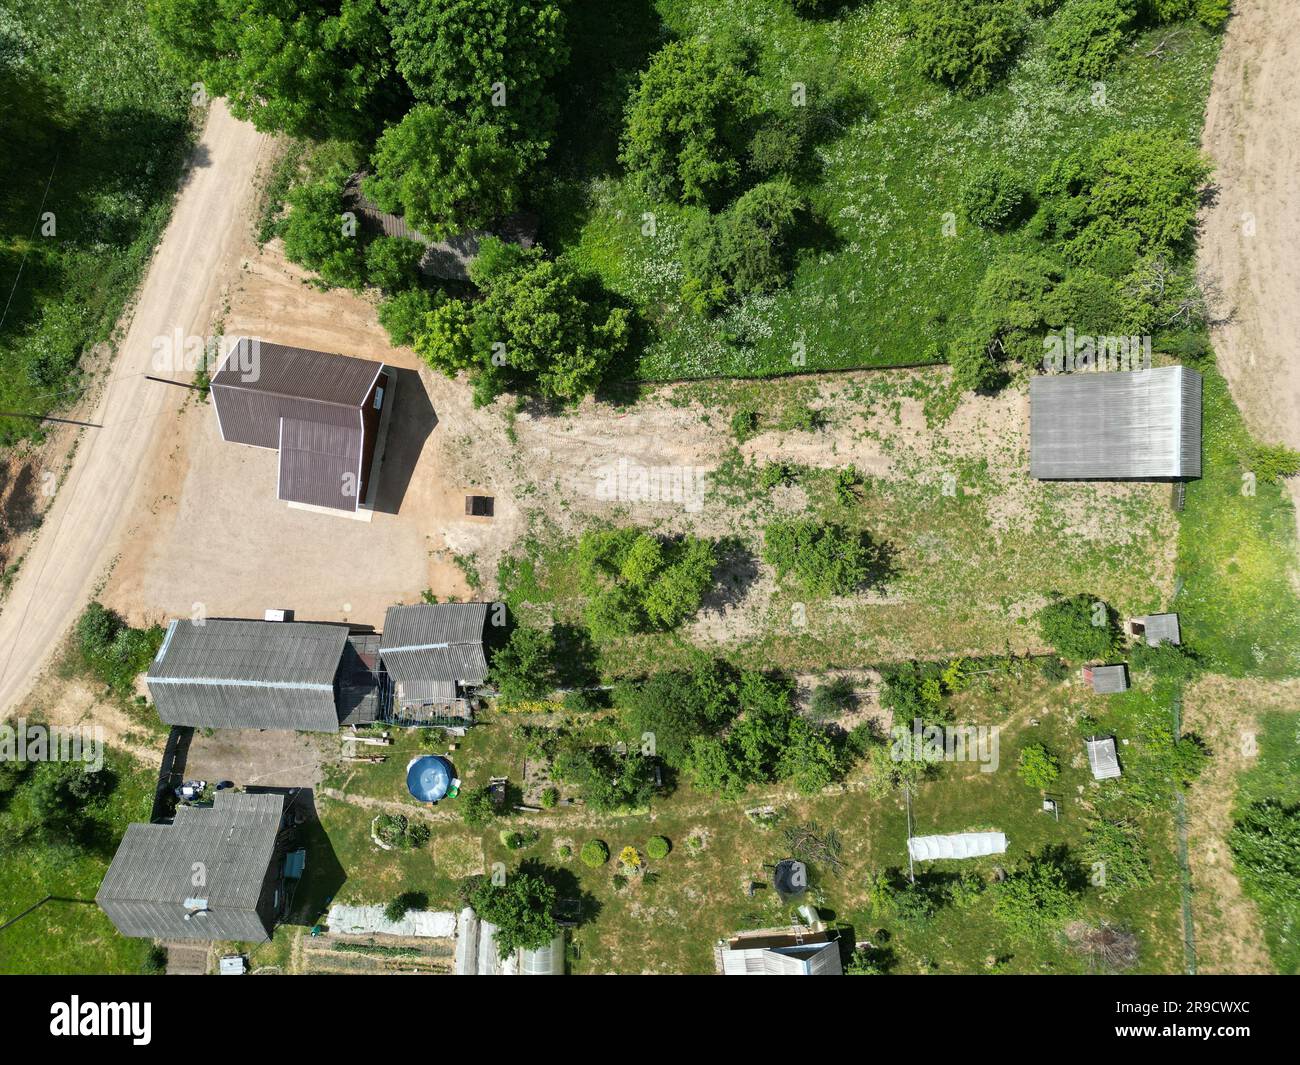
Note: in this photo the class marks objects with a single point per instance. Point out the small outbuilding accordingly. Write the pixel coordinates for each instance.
(1106, 680)
(151, 891)
(433, 653)
(1157, 629)
(1103, 759)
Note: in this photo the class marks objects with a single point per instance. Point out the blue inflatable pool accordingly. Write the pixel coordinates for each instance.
(428, 778)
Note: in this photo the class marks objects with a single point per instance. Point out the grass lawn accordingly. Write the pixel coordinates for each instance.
(95, 132)
(884, 285)
(68, 937)
(1238, 603)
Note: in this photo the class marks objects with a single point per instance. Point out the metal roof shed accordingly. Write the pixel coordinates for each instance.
(1139, 425)
(432, 649)
(1106, 680)
(779, 952)
(227, 673)
(149, 890)
(1157, 629)
(1102, 757)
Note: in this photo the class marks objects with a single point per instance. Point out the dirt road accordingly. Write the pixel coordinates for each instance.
(1252, 134)
(81, 532)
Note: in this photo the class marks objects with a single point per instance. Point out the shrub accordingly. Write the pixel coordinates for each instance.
(657, 848)
(564, 852)
(780, 143)
(607, 780)
(824, 559)
(1081, 628)
(744, 424)
(629, 858)
(1265, 843)
(1037, 766)
(833, 698)
(1271, 462)
(549, 798)
(477, 808)
(582, 701)
(1038, 898)
(967, 44)
(996, 197)
(775, 474)
(635, 582)
(512, 840)
(1117, 850)
(113, 651)
(1086, 36)
(595, 853)
(404, 904)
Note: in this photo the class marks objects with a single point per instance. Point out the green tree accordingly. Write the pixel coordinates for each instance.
(636, 582)
(967, 44)
(524, 668)
(686, 121)
(445, 173)
(811, 761)
(477, 808)
(445, 338)
(489, 60)
(521, 909)
(674, 707)
(743, 250)
(292, 66)
(1086, 36)
(393, 263)
(403, 315)
(319, 237)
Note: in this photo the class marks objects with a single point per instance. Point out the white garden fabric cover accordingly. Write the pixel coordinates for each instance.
(959, 845)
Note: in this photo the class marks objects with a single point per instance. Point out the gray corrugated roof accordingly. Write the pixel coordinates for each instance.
(432, 645)
(212, 860)
(1139, 425)
(1160, 628)
(228, 673)
(1107, 680)
(320, 464)
(815, 958)
(1102, 757)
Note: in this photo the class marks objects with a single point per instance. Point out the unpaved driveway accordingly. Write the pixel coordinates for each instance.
(81, 531)
(1248, 244)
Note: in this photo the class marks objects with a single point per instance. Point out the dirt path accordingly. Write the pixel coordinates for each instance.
(1252, 134)
(81, 533)
(1225, 713)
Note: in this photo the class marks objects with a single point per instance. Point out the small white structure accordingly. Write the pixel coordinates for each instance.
(232, 965)
(958, 845)
(1102, 757)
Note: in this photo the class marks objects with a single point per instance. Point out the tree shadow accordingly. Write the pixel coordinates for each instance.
(733, 576)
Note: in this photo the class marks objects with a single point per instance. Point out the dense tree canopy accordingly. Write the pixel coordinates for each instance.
(521, 909)
(686, 121)
(967, 44)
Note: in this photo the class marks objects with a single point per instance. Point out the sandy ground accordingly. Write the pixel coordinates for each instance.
(1252, 134)
(1224, 714)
